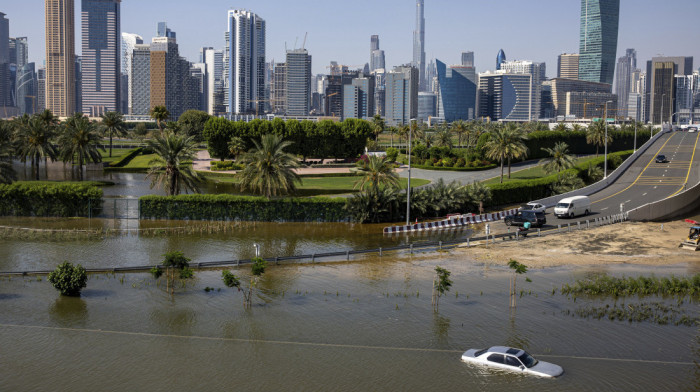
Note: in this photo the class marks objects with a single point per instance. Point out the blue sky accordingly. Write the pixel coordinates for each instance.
(535, 30)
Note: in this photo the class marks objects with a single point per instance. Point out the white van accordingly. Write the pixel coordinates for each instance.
(573, 206)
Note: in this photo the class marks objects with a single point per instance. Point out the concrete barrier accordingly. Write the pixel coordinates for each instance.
(673, 207)
(602, 184)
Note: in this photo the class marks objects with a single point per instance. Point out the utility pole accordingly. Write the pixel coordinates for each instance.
(408, 190)
(606, 139)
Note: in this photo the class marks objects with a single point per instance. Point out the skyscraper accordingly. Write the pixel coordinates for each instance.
(5, 97)
(468, 59)
(598, 40)
(244, 62)
(660, 85)
(41, 89)
(358, 98)
(505, 96)
(457, 93)
(401, 102)
(60, 57)
(419, 45)
(625, 66)
(567, 66)
(101, 25)
(298, 82)
(26, 89)
(19, 51)
(500, 59)
(376, 59)
(214, 61)
(140, 80)
(164, 31)
(688, 98)
(129, 42)
(538, 73)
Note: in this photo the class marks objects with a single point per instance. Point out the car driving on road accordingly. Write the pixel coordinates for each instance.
(534, 206)
(661, 159)
(536, 219)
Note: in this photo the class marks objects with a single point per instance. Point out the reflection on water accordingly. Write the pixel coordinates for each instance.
(69, 312)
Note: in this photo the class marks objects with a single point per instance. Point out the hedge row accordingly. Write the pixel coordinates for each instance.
(457, 169)
(247, 208)
(520, 191)
(576, 140)
(55, 200)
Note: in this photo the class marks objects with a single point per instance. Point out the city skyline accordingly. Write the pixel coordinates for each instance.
(444, 25)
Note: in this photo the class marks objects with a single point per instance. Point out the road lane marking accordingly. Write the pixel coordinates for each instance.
(653, 158)
(690, 166)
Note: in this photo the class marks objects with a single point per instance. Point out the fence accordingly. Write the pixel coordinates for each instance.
(346, 255)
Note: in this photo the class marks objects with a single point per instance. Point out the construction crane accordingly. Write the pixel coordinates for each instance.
(257, 107)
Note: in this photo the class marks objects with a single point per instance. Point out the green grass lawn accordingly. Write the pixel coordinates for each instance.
(117, 154)
(529, 174)
(139, 163)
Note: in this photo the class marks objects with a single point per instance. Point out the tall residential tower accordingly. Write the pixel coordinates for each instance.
(60, 57)
(244, 62)
(598, 40)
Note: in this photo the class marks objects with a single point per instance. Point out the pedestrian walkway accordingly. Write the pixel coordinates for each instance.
(203, 164)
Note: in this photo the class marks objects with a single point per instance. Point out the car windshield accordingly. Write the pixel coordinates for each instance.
(563, 205)
(527, 360)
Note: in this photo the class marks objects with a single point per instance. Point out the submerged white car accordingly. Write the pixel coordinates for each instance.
(512, 359)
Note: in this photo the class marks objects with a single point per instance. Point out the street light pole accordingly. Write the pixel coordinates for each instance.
(408, 190)
(635, 135)
(606, 139)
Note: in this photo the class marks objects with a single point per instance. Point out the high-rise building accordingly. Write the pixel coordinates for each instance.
(567, 66)
(505, 96)
(457, 92)
(298, 82)
(401, 105)
(538, 73)
(565, 91)
(129, 42)
(172, 85)
(19, 51)
(427, 106)
(60, 57)
(419, 45)
(101, 25)
(432, 77)
(140, 82)
(78, 83)
(374, 43)
(358, 98)
(376, 59)
(500, 59)
(164, 31)
(660, 85)
(598, 40)
(468, 59)
(214, 61)
(635, 100)
(625, 66)
(590, 104)
(244, 61)
(379, 90)
(688, 98)
(5, 96)
(279, 89)
(26, 96)
(4, 39)
(41, 89)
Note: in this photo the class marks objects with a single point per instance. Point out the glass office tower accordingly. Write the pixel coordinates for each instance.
(598, 40)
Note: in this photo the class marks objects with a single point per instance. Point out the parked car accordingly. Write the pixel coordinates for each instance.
(573, 206)
(536, 219)
(512, 359)
(534, 206)
(661, 159)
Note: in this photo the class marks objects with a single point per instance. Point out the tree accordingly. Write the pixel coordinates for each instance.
(257, 270)
(269, 170)
(236, 146)
(160, 114)
(441, 285)
(113, 124)
(79, 142)
(378, 126)
(559, 158)
(566, 182)
(7, 173)
(461, 128)
(382, 205)
(593, 174)
(192, 123)
(595, 134)
(443, 137)
(171, 169)
(376, 171)
(504, 144)
(69, 279)
(479, 194)
(34, 142)
(172, 262)
(561, 127)
(518, 269)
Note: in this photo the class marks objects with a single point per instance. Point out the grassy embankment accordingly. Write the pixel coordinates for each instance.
(532, 173)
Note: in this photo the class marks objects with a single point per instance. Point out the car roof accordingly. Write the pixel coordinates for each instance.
(505, 350)
(573, 198)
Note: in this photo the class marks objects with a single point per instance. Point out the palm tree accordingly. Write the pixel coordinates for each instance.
(113, 124)
(160, 114)
(235, 147)
(171, 169)
(443, 137)
(7, 174)
(504, 144)
(561, 127)
(269, 169)
(576, 127)
(49, 120)
(377, 126)
(79, 142)
(559, 158)
(595, 134)
(34, 143)
(460, 128)
(402, 131)
(376, 171)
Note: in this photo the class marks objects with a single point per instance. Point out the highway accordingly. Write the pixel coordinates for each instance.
(646, 181)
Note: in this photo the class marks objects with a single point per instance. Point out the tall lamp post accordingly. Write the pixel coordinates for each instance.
(408, 190)
(606, 139)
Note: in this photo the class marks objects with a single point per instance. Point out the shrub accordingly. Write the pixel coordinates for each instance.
(614, 161)
(460, 163)
(69, 280)
(49, 199)
(392, 154)
(226, 165)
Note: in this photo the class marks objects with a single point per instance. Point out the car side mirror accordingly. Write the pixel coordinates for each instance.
(522, 367)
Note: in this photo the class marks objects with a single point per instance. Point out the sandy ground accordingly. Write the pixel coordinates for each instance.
(626, 243)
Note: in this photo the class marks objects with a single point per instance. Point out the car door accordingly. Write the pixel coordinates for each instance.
(514, 363)
(497, 360)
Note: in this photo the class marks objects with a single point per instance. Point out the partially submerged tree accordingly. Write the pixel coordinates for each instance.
(173, 262)
(518, 269)
(441, 285)
(69, 279)
(257, 270)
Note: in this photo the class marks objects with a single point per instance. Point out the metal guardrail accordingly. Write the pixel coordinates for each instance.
(345, 255)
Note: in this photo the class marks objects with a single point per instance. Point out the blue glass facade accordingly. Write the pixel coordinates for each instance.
(598, 40)
(500, 59)
(457, 92)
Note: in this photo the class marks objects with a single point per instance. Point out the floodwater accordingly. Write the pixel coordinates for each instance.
(345, 326)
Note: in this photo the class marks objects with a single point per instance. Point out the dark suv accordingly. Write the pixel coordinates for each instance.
(536, 219)
(661, 159)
